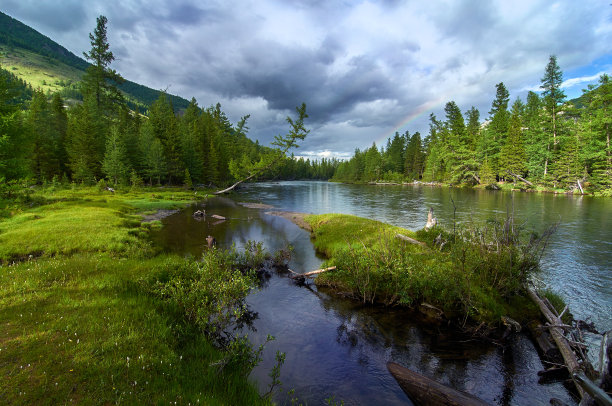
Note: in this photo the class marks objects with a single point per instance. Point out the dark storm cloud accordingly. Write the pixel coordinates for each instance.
(64, 17)
(361, 67)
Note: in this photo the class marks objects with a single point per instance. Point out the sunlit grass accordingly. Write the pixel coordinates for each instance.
(467, 280)
(77, 325)
(41, 72)
(333, 232)
(82, 220)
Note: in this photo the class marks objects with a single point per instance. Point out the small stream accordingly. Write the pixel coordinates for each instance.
(338, 347)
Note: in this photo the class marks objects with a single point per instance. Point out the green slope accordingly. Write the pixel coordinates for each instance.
(45, 64)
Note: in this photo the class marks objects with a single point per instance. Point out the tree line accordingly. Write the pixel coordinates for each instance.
(543, 141)
(102, 138)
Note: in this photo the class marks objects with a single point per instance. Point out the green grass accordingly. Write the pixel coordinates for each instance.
(467, 280)
(333, 232)
(81, 321)
(82, 220)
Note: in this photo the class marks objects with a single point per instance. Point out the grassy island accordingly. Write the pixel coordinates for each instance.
(472, 275)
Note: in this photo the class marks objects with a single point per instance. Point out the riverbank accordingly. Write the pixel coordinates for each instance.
(91, 312)
(500, 186)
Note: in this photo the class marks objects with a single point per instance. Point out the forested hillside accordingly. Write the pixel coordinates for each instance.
(543, 142)
(103, 139)
(16, 37)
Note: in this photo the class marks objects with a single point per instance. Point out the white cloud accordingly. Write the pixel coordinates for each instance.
(577, 81)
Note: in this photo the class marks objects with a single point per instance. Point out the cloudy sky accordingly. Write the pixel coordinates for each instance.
(365, 69)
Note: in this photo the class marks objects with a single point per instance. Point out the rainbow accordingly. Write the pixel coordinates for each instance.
(420, 111)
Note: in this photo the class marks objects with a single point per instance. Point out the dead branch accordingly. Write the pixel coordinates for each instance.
(410, 240)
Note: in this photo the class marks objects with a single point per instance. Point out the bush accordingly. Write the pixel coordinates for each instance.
(475, 272)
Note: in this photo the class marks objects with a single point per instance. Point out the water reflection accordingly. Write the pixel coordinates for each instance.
(576, 263)
(340, 347)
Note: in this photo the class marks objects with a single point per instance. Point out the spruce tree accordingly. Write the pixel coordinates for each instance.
(99, 81)
(44, 162)
(14, 143)
(497, 129)
(85, 143)
(512, 156)
(600, 126)
(553, 98)
(115, 164)
(59, 125)
(535, 139)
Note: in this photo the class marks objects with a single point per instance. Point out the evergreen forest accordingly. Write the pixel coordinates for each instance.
(106, 134)
(545, 142)
(105, 139)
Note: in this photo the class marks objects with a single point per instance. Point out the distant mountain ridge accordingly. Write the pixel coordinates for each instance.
(15, 34)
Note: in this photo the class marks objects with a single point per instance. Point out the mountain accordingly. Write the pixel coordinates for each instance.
(45, 64)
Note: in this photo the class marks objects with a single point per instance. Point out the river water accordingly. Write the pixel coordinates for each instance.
(336, 347)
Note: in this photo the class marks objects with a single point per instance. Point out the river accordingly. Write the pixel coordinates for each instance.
(336, 347)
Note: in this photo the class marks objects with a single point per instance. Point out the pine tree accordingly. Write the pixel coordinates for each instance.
(434, 163)
(600, 128)
(373, 164)
(512, 156)
(535, 140)
(115, 164)
(99, 81)
(44, 162)
(59, 125)
(553, 97)
(85, 143)
(165, 128)
(394, 154)
(487, 176)
(414, 157)
(495, 134)
(472, 127)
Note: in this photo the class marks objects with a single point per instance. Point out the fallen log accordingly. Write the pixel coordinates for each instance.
(580, 186)
(605, 353)
(426, 391)
(318, 271)
(519, 177)
(542, 338)
(601, 397)
(554, 374)
(410, 240)
(309, 274)
(571, 362)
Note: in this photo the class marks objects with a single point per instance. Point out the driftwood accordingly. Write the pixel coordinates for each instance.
(543, 340)
(431, 220)
(569, 357)
(410, 240)
(304, 275)
(426, 391)
(554, 374)
(580, 186)
(604, 356)
(519, 177)
(216, 216)
(318, 271)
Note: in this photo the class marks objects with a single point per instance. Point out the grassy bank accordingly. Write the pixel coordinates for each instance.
(89, 314)
(473, 276)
